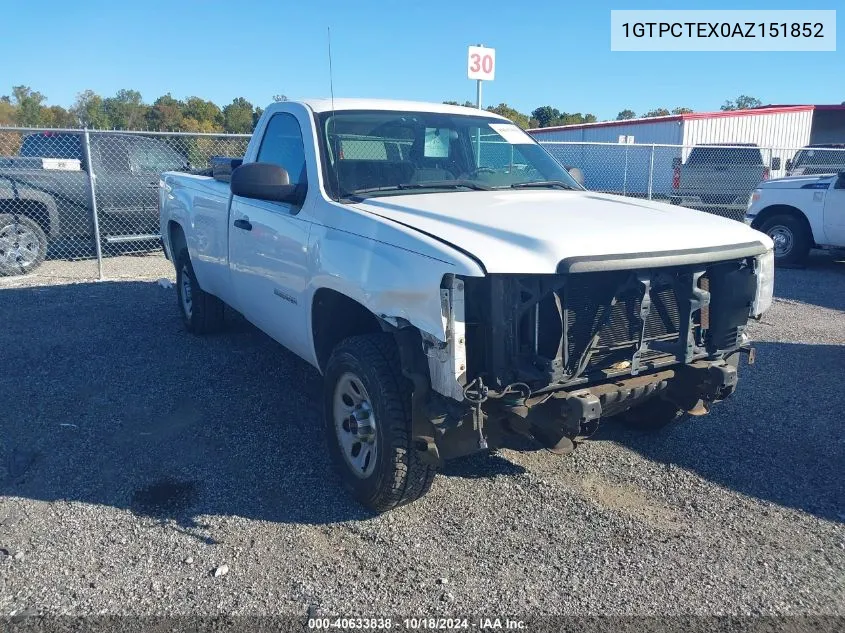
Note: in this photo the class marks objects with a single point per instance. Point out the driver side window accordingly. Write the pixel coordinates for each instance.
(282, 145)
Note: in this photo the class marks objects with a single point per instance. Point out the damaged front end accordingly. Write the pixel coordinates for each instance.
(550, 355)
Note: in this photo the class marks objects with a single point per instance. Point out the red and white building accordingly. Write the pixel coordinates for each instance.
(782, 128)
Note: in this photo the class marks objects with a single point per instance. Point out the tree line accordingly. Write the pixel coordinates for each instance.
(742, 102)
(544, 116)
(126, 110)
(549, 116)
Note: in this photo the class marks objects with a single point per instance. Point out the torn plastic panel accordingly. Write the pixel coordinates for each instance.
(447, 359)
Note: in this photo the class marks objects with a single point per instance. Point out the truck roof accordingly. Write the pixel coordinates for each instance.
(327, 105)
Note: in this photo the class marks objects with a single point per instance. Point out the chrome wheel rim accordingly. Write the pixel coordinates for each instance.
(19, 245)
(355, 425)
(185, 292)
(783, 238)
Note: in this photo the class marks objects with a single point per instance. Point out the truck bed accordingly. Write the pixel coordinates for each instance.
(203, 203)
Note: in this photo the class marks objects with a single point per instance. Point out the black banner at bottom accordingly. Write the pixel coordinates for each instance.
(532, 623)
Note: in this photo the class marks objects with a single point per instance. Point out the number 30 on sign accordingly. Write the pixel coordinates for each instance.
(481, 63)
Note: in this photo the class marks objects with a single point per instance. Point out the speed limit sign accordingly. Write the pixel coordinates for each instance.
(481, 63)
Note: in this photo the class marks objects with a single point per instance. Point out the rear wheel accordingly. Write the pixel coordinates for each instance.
(367, 409)
(23, 245)
(791, 238)
(202, 313)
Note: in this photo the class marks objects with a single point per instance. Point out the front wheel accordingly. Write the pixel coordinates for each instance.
(23, 245)
(367, 410)
(791, 238)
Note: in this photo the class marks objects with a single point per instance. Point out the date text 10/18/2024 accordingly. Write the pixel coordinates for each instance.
(413, 624)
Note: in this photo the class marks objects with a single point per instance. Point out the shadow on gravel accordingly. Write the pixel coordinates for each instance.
(482, 466)
(108, 401)
(779, 438)
(821, 282)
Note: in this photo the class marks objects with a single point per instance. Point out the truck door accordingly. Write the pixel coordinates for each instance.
(268, 243)
(834, 213)
(128, 169)
(110, 158)
(149, 157)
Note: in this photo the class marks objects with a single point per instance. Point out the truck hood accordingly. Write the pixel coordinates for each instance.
(796, 182)
(554, 231)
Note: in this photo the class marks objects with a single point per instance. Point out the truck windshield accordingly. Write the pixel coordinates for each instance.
(371, 153)
(820, 157)
(703, 155)
(52, 145)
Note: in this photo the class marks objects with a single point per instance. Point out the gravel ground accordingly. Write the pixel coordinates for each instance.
(122, 267)
(135, 460)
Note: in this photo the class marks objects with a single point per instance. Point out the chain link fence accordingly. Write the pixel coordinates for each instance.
(91, 197)
(714, 178)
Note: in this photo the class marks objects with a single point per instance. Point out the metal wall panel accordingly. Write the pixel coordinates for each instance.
(661, 132)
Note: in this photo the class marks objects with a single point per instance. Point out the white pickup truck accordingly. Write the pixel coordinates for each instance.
(799, 213)
(452, 282)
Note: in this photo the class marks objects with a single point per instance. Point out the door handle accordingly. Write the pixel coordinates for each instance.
(243, 223)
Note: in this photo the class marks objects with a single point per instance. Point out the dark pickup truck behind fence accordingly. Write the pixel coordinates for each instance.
(76, 194)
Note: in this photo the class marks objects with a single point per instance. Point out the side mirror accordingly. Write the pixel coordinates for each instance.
(577, 175)
(265, 181)
(676, 162)
(776, 163)
(789, 164)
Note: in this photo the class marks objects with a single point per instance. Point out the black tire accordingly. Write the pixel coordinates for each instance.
(397, 475)
(23, 245)
(202, 313)
(652, 415)
(791, 237)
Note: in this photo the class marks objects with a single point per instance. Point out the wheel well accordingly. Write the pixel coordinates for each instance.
(782, 209)
(31, 209)
(334, 317)
(177, 239)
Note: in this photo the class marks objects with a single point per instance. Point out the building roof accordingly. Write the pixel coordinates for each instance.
(833, 106)
(769, 109)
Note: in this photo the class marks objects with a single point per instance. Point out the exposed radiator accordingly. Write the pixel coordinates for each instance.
(618, 326)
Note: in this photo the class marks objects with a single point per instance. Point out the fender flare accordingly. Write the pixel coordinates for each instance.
(786, 209)
(15, 194)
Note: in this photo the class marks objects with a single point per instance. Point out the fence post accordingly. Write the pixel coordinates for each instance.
(92, 188)
(651, 172)
(625, 176)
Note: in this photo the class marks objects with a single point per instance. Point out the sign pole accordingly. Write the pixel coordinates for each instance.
(481, 65)
(478, 131)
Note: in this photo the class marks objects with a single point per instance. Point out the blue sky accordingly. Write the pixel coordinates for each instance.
(558, 54)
